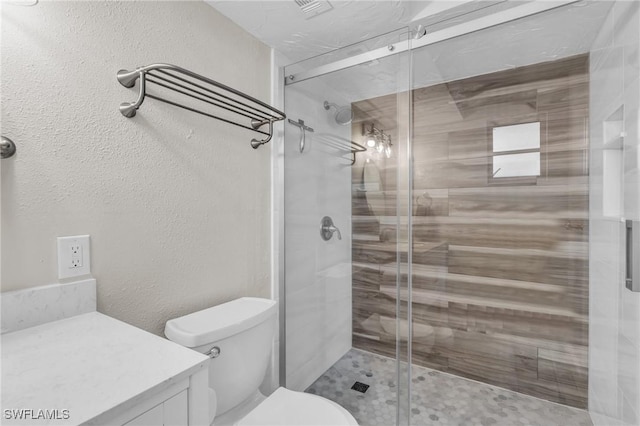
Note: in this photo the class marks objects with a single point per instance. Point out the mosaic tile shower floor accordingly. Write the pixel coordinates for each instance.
(438, 398)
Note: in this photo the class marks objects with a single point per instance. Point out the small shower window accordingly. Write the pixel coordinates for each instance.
(516, 151)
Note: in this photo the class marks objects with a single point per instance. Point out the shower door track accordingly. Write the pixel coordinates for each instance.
(478, 24)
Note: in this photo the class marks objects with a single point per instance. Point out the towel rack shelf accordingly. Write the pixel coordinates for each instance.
(342, 144)
(221, 102)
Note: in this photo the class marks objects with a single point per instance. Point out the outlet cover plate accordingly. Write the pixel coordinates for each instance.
(74, 256)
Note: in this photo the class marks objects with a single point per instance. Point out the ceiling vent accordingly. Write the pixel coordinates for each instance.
(312, 8)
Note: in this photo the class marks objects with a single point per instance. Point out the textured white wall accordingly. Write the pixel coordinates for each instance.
(614, 313)
(177, 204)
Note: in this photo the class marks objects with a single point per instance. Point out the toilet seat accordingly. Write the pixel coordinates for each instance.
(289, 408)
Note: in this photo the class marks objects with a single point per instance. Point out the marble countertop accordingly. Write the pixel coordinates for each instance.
(91, 364)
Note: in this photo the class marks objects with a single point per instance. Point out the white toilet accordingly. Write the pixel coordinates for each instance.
(238, 337)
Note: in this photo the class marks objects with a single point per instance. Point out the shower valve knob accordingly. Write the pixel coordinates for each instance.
(327, 229)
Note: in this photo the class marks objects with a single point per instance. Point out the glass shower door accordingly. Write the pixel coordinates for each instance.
(464, 206)
(501, 219)
(346, 227)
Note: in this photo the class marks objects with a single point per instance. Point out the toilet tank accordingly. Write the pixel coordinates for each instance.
(243, 330)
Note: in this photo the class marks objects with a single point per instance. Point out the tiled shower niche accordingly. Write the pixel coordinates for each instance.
(500, 263)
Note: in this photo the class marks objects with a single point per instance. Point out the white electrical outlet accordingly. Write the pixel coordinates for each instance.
(73, 256)
(76, 255)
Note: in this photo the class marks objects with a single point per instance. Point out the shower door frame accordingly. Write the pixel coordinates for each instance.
(479, 24)
(401, 86)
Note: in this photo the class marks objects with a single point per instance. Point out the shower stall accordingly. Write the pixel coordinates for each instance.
(459, 213)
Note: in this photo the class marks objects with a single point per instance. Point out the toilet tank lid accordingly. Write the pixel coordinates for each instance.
(219, 322)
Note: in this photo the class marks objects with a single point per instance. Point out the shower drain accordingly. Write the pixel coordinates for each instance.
(360, 387)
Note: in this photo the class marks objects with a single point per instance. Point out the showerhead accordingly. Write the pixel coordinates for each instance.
(344, 115)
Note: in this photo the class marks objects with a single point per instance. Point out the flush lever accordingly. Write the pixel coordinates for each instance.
(327, 229)
(214, 352)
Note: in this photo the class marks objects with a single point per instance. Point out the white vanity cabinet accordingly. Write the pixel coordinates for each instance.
(155, 416)
(172, 412)
(104, 372)
(178, 405)
(169, 407)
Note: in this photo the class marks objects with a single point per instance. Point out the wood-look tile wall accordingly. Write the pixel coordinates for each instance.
(500, 266)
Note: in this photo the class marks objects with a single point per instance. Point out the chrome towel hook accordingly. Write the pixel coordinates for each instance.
(300, 124)
(7, 147)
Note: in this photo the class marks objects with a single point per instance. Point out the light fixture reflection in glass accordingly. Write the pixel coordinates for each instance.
(377, 138)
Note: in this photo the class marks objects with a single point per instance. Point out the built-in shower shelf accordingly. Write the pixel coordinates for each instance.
(616, 142)
(202, 95)
(613, 130)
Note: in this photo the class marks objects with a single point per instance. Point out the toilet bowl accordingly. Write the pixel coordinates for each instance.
(238, 337)
(288, 408)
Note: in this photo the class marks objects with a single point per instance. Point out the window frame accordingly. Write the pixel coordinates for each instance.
(511, 180)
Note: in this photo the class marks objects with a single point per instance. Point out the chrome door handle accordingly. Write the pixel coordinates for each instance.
(632, 267)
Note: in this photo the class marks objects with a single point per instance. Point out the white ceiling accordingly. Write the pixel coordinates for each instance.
(283, 26)
(544, 37)
(547, 36)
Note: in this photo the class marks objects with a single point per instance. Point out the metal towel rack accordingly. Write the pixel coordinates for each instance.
(210, 93)
(342, 144)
